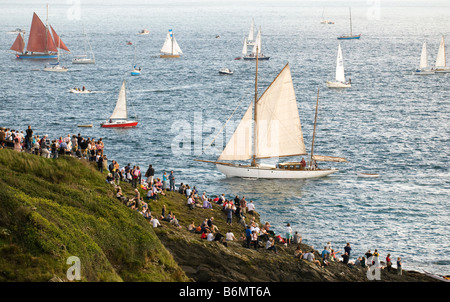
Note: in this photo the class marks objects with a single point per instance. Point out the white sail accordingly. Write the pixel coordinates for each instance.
(170, 45)
(120, 111)
(340, 76)
(279, 132)
(423, 57)
(440, 59)
(244, 48)
(239, 147)
(250, 33)
(257, 46)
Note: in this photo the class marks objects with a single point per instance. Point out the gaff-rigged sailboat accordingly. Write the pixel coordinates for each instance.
(423, 69)
(41, 43)
(170, 48)
(441, 61)
(277, 132)
(119, 117)
(351, 36)
(340, 81)
(256, 51)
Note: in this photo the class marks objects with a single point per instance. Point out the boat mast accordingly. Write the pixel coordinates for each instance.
(255, 130)
(171, 34)
(351, 32)
(46, 32)
(314, 132)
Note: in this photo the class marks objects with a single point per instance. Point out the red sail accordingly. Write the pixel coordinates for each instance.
(19, 44)
(37, 42)
(50, 44)
(59, 43)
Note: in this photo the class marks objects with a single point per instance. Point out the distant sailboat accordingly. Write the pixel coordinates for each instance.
(351, 36)
(325, 20)
(170, 49)
(119, 117)
(256, 51)
(56, 67)
(340, 74)
(277, 132)
(423, 69)
(84, 59)
(441, 61)
(250, 40)
(41, 43)
(136, 70)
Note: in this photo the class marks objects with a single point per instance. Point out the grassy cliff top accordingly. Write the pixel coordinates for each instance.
(53, 209)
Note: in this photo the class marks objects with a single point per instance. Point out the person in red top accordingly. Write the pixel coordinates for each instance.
(388, 262)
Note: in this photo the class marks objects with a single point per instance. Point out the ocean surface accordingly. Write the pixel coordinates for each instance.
(389, 122)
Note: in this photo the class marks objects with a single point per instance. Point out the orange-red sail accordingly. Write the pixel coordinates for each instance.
(50, 43)
(19, 44)
(59, 43)
(37, 42)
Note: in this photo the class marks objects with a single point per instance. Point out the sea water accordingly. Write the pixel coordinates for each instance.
(389, 122)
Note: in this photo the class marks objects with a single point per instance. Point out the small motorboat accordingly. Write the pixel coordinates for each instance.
(129, 43)
(367, 175)
(237, 58)
(226, 71)
(78, 90)
(136, 71)
(85, 126)
(144, 32)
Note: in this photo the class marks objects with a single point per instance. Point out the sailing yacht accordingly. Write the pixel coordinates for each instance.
(250, 41)
(441, 62)
(119, 117)
(325, 20)
(256, 51)
(350, 36)
(423, 69)
(84, 59)
(277, 132)
(170, 48)
(56, 67)
(340, 81)
(41, 43)
(136, 70)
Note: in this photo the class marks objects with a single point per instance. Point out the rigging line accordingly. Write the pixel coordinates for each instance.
(240, 102)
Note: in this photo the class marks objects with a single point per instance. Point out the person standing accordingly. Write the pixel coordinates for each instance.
(164, 181)
(288, 233)
(388, 262)
(399, 266)
(348, 249)
(28, 137)
(171, 181)
(149, 174)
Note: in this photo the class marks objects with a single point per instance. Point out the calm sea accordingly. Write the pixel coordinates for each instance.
(389, 122)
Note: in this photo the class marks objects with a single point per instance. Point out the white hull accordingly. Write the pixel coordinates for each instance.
(55, 69)
(80, 91)
(442, 70)
(270, 172)
(83, 61)
(338, 85)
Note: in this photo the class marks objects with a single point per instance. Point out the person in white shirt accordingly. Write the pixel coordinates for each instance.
(230, 236)
(155, 222)
(250, 207)
(210, 236)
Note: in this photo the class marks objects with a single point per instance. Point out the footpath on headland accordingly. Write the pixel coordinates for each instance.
(56, 208)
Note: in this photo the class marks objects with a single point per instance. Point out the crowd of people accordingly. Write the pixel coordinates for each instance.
(72, 145)
(236, 210)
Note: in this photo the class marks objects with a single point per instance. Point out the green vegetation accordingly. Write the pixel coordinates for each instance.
(53, 209)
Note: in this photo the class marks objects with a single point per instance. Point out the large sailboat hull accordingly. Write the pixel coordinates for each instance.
(270, 172)
(423, 72)
(338, 85)
(119, 124)
(349, 37)
(38, 56)
(254, 58)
